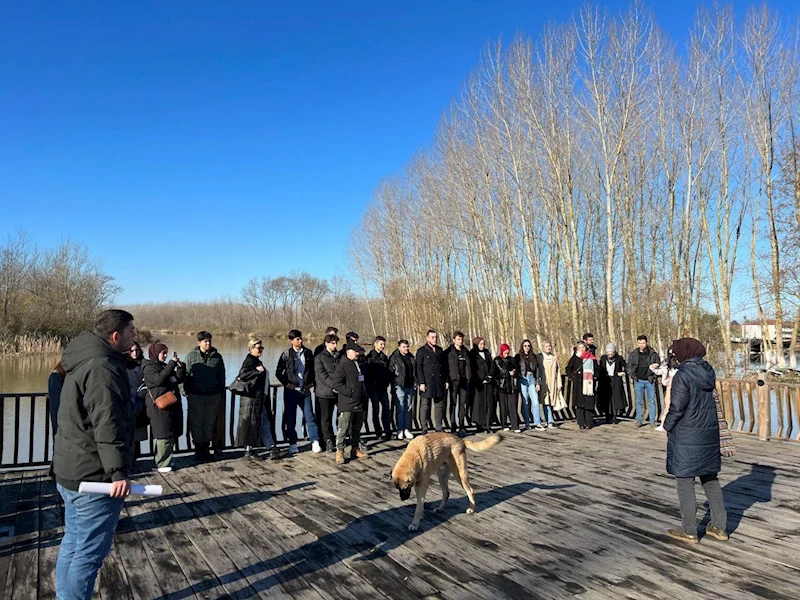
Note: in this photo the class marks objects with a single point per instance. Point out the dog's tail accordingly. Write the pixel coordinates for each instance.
(485, 443)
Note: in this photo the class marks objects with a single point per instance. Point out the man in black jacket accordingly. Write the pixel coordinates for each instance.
(641, 363)
(460, 373)
(402, 366)
(203, 387)
(349, 383)
(95, 442)
(432, 382)
(324, 368)
(378, 378)
(295, 371)
(330, 330)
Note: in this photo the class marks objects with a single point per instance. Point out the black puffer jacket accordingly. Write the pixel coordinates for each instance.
(160, 378)
(352, 394)
(504, 380)
(95, 437)
(691, 423)
(376, 370)
(324, 368)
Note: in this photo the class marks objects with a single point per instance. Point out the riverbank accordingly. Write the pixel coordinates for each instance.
(29, 345)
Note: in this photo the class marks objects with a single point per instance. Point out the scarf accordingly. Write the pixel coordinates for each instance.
(611, 366)
(686, 348)
(551, 378)
(588, 373)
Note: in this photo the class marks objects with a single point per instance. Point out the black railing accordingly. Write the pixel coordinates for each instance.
(26, 440)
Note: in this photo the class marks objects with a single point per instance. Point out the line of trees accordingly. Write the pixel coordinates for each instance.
(48, 293)
(602, 179)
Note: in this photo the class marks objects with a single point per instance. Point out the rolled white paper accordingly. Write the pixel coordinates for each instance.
(94, 487)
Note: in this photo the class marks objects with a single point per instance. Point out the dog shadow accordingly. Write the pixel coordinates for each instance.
(371, 536)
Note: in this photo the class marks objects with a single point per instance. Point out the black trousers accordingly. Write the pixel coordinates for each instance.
(459, 392)
(325, 408)
(425, 413)
(508, 409)
(585, 416)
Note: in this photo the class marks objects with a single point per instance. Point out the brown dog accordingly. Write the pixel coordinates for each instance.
(441, 453)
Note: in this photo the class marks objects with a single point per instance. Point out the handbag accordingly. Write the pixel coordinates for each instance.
(560, 403)
(240, 387)
(165, 400)
(726, 446)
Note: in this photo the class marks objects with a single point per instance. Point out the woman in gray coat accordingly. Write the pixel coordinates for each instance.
(693, 440)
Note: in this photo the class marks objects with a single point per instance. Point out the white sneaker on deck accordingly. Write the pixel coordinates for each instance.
(293, 449)
(399, 435)
(165, 469)
(408, 434)
(315, 447)
(660, 428)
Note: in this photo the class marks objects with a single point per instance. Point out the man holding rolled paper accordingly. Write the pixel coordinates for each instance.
(94, 443)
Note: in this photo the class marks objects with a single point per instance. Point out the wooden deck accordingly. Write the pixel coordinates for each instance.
(562, 513)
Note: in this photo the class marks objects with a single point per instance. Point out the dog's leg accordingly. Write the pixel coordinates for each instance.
(421, 489)
(463, 479)
(444, 474)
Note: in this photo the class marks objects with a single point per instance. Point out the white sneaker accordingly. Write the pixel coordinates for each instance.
(399, 435)
(540, 428)
(408, 434)
(165, 469)
(551, 426)
(316, 448)
(660, 428)
(518, 431)
(506, 428)
(293, 449)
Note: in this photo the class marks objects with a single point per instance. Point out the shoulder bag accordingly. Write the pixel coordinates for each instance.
(726, 446)
(165, 400)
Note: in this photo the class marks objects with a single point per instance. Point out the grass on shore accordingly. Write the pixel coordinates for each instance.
(19, 345)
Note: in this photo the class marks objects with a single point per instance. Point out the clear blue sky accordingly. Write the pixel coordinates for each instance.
(193, 145)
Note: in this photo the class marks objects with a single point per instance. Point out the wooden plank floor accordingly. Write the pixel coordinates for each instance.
(561, 514)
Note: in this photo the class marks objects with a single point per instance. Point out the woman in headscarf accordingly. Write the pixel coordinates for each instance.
(133, 361)
(506, 369)
(482, 385)
(582, 370)
(693, 448)
(54, 384)
(160, 378)
(251, 405)
(550, 383)
(610, 387)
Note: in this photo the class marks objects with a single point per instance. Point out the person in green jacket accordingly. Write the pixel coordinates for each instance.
(203, 387)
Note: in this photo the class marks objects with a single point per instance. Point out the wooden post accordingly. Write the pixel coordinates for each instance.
(764, 412)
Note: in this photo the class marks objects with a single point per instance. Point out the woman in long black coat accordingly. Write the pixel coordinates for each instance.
(610, 385)
(506, 369)
(693, 448)
(582, 371)
(166, 425)
(251, 427)
(482, 391)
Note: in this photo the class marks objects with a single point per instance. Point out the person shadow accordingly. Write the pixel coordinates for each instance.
(363, 538)
(743, 493)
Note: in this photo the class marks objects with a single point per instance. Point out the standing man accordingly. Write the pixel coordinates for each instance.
(641, 363)
(460, 373)
(330, 330)
(402, 365)
(349, 382)
(378, 378)
(94, 442)
(431, 378)
(588, 339)
(295, 371)
(324, 368)
(203, 387)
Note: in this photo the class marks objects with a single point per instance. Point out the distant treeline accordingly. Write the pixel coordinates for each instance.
(48, 295)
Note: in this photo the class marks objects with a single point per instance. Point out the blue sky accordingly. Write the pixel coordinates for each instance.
(193, 145)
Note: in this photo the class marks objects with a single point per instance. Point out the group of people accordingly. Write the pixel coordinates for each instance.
(103, 381)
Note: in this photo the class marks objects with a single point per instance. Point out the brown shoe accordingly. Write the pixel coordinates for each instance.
(680, 534)
(717, 533)
(359, 453)
(340, 457)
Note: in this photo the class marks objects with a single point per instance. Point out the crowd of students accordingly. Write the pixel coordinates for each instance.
(103, 381)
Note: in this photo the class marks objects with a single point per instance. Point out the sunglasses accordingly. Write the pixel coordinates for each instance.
(259, 347)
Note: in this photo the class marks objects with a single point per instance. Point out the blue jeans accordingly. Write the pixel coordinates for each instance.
(530, 400)
(266, 429)
(403, 396)
(641, 387)
(292, 400)
(548, 411)
(90, 520)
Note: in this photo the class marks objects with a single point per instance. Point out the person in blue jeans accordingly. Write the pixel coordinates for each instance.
(295, 371)
(641, 365)
(527, 371)
(402, 366)
(94, 443)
